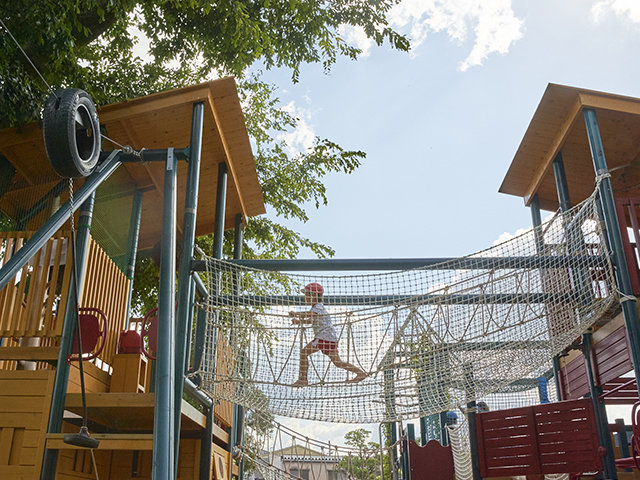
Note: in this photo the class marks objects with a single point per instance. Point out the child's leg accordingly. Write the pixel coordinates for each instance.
(304, 363)
(335, 359)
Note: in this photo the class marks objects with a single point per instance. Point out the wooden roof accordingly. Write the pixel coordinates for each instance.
(156, 121)
(558, 125)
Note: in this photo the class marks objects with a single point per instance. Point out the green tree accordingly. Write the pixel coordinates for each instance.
(364, 465)
(89, 44)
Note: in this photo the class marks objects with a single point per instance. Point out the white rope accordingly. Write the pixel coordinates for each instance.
(459, 439)
(428, 339)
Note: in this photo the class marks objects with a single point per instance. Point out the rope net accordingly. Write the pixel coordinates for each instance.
(428, 339)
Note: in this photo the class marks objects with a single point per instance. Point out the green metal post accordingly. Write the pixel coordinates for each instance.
(629, 302)
(132, 244)
(238, 410)
(221, 204)
(600, 413)
(185, 290)
(163, 415)
(536, 219)
(58, 396)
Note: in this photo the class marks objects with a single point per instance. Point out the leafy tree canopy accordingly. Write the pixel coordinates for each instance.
(89, 44)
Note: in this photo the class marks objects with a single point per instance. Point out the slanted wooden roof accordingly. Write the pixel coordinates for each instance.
(558, 125)
(156, 121)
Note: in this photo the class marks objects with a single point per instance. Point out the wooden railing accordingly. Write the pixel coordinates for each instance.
(33, 302)
(223, 410)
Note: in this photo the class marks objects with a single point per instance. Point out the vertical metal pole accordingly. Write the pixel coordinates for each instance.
(163, 418)
(602, 424)
(58, 396)
(629, 303)
(561, 183)
(423, 431)
(221, 205)
(536, 219)
(132, 244)
(205, 447)
(185, 290)
(238, 410)
(471, 417)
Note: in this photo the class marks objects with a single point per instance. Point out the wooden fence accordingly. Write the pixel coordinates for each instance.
(33, 303)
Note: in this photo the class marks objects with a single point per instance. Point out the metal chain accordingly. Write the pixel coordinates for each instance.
(71, 202)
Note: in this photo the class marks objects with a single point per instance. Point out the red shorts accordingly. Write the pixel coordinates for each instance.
(325, 346)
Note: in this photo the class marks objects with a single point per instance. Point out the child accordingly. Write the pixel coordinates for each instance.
(325, 339)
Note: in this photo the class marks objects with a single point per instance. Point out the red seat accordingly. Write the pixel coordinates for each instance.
(634, 460)
(93, 328)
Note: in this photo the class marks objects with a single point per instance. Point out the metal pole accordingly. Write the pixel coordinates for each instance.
(132, 244)
(561, 183)
(602, 424)
(238, 410)
(163, 418)
(185, 292)
(58, 396)
(221, 204)
(629, 303)
(51, 226)
(471, 416)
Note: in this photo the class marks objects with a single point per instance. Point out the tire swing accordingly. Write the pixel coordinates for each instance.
(71, 133)
(72, 140)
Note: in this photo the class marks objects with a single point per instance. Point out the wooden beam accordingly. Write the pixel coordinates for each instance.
(144, 105)
(36, 354)
(554, 148)
(614, 104)
(225, 146)
(108, 441)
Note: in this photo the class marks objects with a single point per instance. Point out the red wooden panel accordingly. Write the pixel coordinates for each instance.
(508, 452)
(559, 437)
(574, 377)
(511, 471)
(431, 462)
(634, 273)
(527, 460)
(506, 442)
(519, 432)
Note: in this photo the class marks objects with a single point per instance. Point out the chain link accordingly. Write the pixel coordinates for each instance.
(71, 203)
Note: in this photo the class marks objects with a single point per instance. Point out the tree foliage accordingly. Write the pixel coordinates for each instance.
(89, 44)
(366, 464)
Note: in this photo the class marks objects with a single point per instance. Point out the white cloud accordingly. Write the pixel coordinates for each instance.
(301, 139)
(629, 9)
(356, 36)
(493, 23)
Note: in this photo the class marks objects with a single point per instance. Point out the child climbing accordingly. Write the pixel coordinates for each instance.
(325, 339)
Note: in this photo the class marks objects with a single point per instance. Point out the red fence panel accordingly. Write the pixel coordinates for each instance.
(558, 437)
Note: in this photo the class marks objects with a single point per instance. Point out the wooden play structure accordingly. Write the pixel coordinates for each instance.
(196, 134)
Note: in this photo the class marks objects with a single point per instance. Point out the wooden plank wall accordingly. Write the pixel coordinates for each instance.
(105, 287)
(25, 398)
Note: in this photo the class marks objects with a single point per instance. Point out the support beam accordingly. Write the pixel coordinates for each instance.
(163, 421)
(363, 264)
(185, 290)
(58, 396)
(132, 244)
(629, 302)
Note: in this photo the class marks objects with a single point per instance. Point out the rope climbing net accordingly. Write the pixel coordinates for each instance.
(428, 339)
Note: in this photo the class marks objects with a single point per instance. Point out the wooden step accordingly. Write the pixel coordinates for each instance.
(108, 441)
(36, 354)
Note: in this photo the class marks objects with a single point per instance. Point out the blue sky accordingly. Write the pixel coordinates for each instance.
(441, 124)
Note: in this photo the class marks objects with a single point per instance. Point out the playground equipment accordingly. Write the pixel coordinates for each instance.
(434, 335)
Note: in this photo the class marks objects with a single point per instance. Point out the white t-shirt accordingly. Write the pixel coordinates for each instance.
(322, 325)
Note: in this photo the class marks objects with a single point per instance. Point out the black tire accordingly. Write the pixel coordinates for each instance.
(72, 133)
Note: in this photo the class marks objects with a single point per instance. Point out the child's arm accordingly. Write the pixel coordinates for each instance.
(302, 317)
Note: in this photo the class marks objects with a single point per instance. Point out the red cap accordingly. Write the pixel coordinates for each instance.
(314, 288)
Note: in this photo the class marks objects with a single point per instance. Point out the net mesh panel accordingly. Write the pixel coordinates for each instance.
(429, 339)
(27, 209)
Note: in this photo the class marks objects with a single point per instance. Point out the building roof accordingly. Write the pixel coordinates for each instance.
(156, 121)
(558, 125)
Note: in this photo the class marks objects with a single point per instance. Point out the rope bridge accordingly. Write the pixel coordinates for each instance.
(429, 339)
